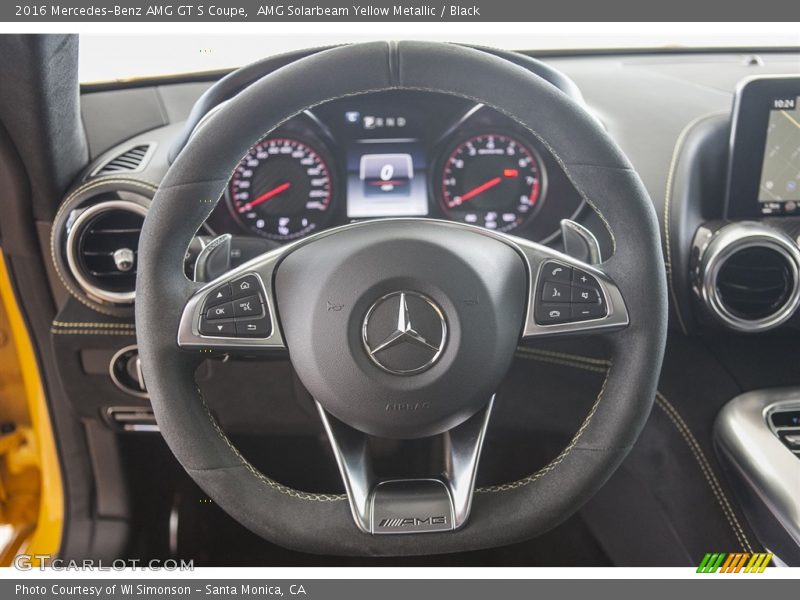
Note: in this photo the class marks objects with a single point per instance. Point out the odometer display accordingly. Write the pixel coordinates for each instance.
(491, 180)
(282, 189)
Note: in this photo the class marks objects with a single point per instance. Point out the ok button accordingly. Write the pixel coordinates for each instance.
(221, 311)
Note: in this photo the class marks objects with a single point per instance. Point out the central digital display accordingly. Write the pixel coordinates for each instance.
(386, 166)
(387, 175)
(386, 184)
(779, 189)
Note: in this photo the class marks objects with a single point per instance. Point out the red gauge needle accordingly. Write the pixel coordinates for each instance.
(480, 189)
(266, 196)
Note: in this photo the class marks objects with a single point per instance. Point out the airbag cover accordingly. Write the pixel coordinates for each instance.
(419, 385)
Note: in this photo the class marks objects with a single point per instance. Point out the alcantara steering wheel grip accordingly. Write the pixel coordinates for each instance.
(402, 328)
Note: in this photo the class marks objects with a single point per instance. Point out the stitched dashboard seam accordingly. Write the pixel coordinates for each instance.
(92, 325)
(706, 469)
(146, 185)
(677, 421)
(57, 331)
(673, 165)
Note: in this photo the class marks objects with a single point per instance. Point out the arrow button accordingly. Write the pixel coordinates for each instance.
(217, 329)
(219, 295)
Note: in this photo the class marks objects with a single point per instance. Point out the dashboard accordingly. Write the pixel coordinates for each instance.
(702, 146)
(730, 131)
(396, 154)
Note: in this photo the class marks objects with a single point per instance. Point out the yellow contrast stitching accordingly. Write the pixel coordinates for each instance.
(685, 432)
(562, 362)
(706, 469)
(93, 325)
(56, 331)
(563, 355)
(673, 165)
(558, 459)
(490, 489)
(258, 474)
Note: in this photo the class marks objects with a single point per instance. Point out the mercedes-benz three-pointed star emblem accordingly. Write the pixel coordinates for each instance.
(417, 332)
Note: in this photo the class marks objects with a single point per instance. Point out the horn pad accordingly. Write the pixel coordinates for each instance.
(402, 329)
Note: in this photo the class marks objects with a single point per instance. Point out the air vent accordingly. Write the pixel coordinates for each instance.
(102, 249)
(754, 282)
(749, 276)
(130, 161)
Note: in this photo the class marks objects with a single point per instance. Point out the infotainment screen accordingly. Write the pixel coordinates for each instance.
(780, 170)
(764, 165)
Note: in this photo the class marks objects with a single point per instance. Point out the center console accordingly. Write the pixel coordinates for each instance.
(758, 438)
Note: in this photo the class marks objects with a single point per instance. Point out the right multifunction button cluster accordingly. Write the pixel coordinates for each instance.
(236, 309)
(566, 294)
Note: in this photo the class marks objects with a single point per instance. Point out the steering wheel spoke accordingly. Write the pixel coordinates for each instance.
(411, 505)
(567, 296)
(235, 312)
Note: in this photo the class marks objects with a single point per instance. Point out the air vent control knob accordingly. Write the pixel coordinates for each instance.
(124, 259)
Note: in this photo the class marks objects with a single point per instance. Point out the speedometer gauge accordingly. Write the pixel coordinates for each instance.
(282, 189)
(491, 180)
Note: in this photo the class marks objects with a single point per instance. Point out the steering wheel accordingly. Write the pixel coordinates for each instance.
(402, 328)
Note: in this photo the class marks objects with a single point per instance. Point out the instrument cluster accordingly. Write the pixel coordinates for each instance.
(396, 154)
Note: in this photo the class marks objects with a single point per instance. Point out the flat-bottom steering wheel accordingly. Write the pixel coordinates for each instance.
(401, 328)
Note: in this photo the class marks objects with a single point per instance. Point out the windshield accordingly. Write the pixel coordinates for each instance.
(106, 57)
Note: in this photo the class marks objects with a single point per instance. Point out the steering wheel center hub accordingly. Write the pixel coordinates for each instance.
(404, 332)
(402, 328)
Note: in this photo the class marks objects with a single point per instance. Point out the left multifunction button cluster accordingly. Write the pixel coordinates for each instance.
(236, 309)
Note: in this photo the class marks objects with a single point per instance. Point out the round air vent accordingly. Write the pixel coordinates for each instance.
(750, 276)
(755, 282)
(95, 242)
(102, 246)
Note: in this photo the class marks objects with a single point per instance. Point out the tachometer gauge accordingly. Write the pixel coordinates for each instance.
(491, 180)
(282, 189)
